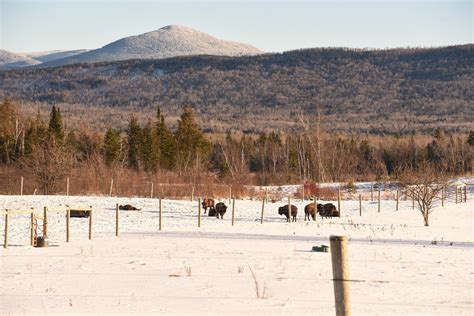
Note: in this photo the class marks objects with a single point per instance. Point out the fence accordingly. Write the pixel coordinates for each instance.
(452, 194)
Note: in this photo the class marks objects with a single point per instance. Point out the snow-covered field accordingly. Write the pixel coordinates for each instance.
(397, 265)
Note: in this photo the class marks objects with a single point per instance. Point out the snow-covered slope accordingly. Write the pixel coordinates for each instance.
(12, 60)
(48, 56)
(169, 41)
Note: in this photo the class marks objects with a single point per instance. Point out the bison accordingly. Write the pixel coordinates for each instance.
(328, 210)
(220, 209)
(310, 210)
(208, 203)
(284, 211)
(128, 207)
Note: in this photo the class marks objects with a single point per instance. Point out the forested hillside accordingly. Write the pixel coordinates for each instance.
(398, 91)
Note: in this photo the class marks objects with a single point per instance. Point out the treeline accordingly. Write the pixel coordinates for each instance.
(385, 92)
(49, 152)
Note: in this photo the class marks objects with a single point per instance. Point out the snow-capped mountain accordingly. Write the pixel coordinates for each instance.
(169, 41)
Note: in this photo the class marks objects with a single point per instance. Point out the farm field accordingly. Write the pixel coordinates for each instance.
(397, 265)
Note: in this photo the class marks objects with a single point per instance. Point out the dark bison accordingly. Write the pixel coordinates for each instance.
(221, 208)
(128, 207)
(79, 213)
(209, 203)
(310, 210)
(283, 210)
(328, 210)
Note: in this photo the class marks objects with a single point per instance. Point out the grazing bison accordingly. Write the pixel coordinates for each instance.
(208, 203)
(79, 213)
(128, 207)
(221, 208)
(310, 210)
(328, 210)
(284, 211)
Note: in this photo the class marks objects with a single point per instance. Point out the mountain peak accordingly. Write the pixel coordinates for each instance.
(165, 42)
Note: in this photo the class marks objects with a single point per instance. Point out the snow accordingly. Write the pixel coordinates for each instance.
(397, 265)
(166, 42)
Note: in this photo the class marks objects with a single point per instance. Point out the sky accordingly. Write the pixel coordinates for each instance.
(272, 26)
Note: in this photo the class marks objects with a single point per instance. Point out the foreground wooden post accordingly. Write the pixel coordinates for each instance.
(21, 186)
(412, 201)
(68, 217)
(5, 242)
(396, 208)
(90, 224)
(199, 212)
(116, 220)
(378, 206)
(360, 205)
(465, 194)
(339, 199)
(111, 187)
(456, 195)
(45, 226)
(340, 273)
(233, 211)
(371, 193)
(32, 237)
(67, 186)
(160, 217)
(289, 209)
(263, 209)
(151, 191)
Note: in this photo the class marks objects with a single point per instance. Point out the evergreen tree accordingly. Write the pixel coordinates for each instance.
(149, 149)
(55, 127)
(134, 140)
(470, 138)
(166, 143)
(8, 118)
(191, 144)
(112, 146)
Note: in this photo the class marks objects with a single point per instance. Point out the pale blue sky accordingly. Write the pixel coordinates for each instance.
(269, 25)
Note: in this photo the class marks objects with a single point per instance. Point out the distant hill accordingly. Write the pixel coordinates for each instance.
(169, 41)
(396, 91)
(13, 60)
(45, 57)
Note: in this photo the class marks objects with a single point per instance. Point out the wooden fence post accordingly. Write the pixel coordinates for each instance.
(32, 237)
(90, 224)
(21, 186)
(289, 209)
(263, 209)
(371, 193)
(397, 202)
(199, 212)
(360, 205)
(465, 193)
(315, 209)
(116, 220)
(442, 197)
(68, 217)
(111, 187)
(160, 215)
(67, 186)
(412, 201)
(456, 194)
(378, 206)
(45, 227)
(151, 191)
(233, 211)
(5, 242)
(230, 194)
(340, 273)
(339, 199)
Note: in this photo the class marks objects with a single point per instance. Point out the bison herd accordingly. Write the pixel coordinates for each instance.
(327, 210)
(218, 210)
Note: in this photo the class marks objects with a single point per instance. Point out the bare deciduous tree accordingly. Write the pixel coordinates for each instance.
(424, 187)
